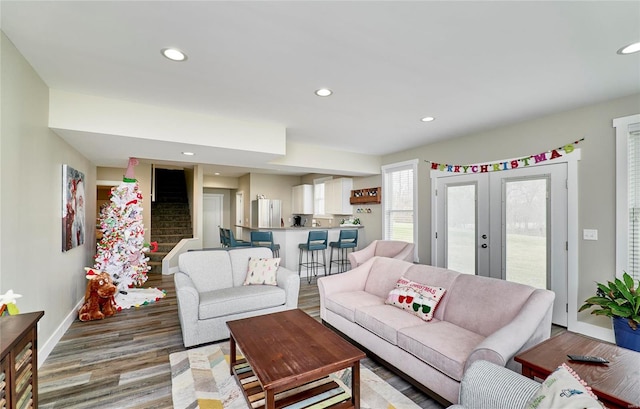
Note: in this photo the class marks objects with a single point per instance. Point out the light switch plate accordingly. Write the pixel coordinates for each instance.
(590, 234)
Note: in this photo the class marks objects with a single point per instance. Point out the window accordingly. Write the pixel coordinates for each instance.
(400, 210)
(628, 195)
(318, 195)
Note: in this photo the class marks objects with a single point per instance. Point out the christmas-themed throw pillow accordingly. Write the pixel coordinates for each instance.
(419, 299)
(563, 388)
(262, 271)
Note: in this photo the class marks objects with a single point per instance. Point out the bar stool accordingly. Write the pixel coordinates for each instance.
(348, 239)
(265, 239)
(235, 243)
(316, 241)
(223, 238)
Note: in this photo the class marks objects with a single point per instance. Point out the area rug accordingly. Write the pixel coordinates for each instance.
(200, 379)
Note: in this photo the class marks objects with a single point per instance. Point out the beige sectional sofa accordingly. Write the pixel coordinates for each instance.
(478, 318)
(210, 292)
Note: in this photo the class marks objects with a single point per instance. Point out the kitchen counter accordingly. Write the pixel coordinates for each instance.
(290, 237)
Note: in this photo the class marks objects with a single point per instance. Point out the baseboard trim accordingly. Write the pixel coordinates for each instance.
(46, 348)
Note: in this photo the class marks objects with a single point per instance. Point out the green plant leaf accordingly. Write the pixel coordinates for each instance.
(624, 291)
(598, 300)
(621, 311)
(602, 312)
(603, 287)
(628, 281)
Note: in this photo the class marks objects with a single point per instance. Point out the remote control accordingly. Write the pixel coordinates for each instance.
(585, 358)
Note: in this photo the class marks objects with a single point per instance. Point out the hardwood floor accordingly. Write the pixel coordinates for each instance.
(123, 361)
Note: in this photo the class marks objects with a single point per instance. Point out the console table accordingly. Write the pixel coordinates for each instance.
(19, 360)
(617, 384)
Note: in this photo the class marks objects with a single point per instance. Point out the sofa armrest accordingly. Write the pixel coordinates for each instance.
(289, 281)
(351, 280)
(407, 253)
(486, 385)
(188, 303)
(530, 326)
(357, 258)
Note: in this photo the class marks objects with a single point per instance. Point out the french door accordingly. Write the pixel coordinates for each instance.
(510, 225)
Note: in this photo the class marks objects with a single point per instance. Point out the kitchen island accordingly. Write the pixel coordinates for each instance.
(290, 237)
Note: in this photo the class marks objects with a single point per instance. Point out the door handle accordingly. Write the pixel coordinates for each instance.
(484, 246)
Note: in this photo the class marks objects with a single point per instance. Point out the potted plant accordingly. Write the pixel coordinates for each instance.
(620, 300)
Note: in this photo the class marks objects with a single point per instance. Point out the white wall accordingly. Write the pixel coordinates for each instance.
(31, 156)
(142, 173)
(596, 176)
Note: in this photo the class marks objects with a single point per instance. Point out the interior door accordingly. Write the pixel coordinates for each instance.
(212, 212)
(239, 214)
(510, 225)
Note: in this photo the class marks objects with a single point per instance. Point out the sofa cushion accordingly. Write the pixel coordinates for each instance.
(384, 274)
(209, 270)
(345, 304)
(563, 388)
(236, 300)
(240, 261)
(385, 320)
(419, 299)
(262, 271)
(436, 277)
(441, 344)
(478, 303)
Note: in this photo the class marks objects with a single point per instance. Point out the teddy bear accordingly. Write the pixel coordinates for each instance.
(98, 299)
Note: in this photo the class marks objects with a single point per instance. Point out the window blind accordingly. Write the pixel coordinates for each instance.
(634, 203)
(318, 195)
(399, 203)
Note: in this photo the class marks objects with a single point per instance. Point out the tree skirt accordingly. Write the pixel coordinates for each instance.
(200, 379)
(136, 297)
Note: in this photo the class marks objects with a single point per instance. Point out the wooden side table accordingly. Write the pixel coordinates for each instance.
(617, 384)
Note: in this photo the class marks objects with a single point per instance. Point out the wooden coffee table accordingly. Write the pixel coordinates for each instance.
(617, 384)
(287, 359)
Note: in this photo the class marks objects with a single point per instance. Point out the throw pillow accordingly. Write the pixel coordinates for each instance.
(564, 389)
(419, 299)
(262, 271)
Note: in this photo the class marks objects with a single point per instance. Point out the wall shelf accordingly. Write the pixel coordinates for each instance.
(368, 195)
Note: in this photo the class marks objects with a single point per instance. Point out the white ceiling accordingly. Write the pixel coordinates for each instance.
(472, 65)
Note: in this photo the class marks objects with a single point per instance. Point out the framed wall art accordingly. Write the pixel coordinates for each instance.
(73, 208)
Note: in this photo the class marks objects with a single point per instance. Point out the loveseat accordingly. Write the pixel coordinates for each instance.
(210, 291)
(383, 248)
(477, 318)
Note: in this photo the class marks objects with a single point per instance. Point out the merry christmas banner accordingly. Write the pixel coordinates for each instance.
(509, 164)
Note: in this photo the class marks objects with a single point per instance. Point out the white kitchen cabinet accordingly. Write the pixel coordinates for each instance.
(336, 196)
(302, 199)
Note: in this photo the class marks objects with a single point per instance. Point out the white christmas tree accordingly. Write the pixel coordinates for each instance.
(121, 250)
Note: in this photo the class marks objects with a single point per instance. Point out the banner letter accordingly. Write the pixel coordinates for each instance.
(541, 157)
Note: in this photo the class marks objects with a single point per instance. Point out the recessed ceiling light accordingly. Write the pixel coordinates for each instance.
(188, 153)
(427, 119)
(174, 54)
(323, 92)
(217, 173)
(630, 49)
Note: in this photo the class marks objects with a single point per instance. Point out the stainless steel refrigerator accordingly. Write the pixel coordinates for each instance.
(266, 213)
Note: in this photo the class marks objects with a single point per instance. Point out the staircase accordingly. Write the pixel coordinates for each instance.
(170, 215)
